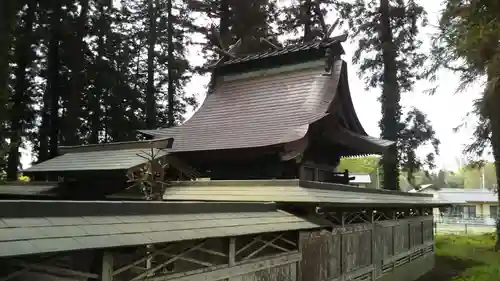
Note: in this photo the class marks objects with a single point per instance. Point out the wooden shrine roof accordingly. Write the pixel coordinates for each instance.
(36, 227)
(295, 192)
(302, 47)
(265, 108)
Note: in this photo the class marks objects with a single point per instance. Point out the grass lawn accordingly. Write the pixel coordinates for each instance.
(465, 258)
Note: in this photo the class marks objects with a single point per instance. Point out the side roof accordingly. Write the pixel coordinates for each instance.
(105, 156)
(297, 192)
(467, 195)
(36, 227)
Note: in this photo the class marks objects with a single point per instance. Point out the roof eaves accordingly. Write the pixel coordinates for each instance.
(160, 143)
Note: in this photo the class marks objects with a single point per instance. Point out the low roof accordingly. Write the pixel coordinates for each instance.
(28, 189)
(467, 195)
(295, 191)
(100, 160)
(35, 227)
(262, 108)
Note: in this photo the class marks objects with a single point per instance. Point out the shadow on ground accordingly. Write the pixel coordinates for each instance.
(448, 267)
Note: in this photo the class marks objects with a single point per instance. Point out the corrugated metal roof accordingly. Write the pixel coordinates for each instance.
(97, 160)
(45, 234)
(293, 191)
(466, 195)
(287, 50)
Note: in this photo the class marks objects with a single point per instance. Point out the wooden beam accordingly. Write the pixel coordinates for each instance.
(232, 251)
(141, 260)
(26, 269)
(54, 269)
(235, 46)
(271, 44)
(216, 34)
(331, 29)
(224, 52)
(107, 266)
(217, 273)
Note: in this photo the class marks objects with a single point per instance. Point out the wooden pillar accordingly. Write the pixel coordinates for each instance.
(107, 266)
(232, 251)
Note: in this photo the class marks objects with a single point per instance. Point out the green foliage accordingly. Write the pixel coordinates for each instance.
(364, 165)
(388, 56)
(473, 176)
(417, 132)
(467, 43)
(465, 258)
(407, 17)
(303, 20)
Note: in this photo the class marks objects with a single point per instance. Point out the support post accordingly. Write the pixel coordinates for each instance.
(107, 266)
(232, 251)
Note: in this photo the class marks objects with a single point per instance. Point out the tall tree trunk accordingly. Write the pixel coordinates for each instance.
(7, 24)
(492, 100)
(390, 99)
(225, 20)
(54, 79)
(50, 113)
(171, 67)
(77, 79)
(151, 91)
(306, 18)
(95, 124)
(23, 59)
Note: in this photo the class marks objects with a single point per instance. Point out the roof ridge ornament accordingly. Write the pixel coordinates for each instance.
(327, 31)
(269, 43)
(221, 49)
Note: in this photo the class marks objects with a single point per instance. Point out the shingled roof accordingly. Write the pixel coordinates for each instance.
(264, 108)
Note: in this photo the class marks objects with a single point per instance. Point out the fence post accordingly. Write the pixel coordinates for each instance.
(465, 228)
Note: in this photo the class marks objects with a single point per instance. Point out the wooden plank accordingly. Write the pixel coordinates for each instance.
(55, 270)
(392, 259)
(218, 273)
(410, 271)
(353, 228)
(404, 221)
(232, 251)
(353, 274)
(107, 266)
